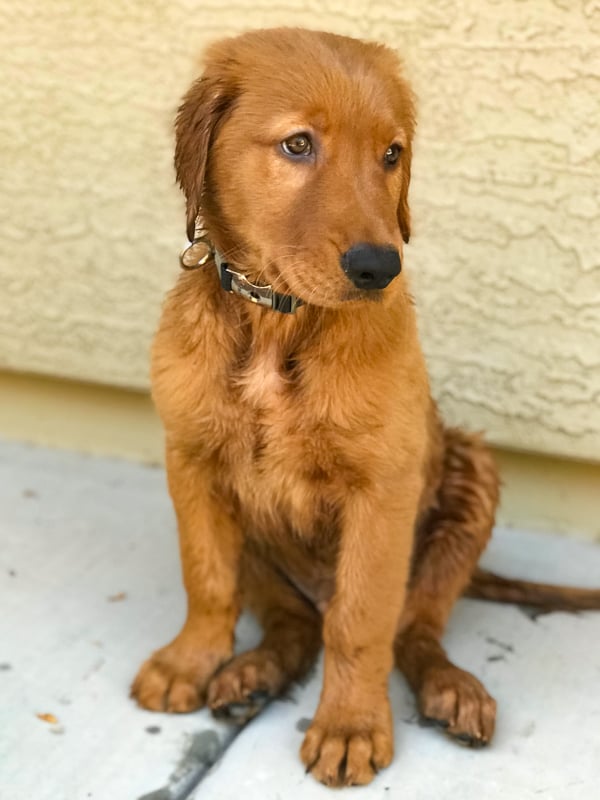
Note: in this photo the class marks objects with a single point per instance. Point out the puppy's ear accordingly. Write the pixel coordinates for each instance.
(203, 107)
(406, 107)
(403, 209)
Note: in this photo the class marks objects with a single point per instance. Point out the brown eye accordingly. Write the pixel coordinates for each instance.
(392, 154)
(297, 145)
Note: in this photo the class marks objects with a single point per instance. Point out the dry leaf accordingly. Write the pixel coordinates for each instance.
(48, 718)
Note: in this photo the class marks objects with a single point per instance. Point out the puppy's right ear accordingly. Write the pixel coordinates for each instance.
(203, 107)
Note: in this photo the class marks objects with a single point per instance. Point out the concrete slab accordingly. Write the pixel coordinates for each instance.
(90, 584)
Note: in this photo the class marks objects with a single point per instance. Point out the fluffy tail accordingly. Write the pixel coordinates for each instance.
(487, 586)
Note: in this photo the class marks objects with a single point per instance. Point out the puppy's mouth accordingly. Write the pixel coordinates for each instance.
(363, 274)
(335, 293)
(364, 296)
(270, 286)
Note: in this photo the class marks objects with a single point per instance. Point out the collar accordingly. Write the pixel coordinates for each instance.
(201, 250)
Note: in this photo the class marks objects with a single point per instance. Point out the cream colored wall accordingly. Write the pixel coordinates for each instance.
(506, 203)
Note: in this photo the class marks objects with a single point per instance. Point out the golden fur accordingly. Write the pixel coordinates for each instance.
(311, 476)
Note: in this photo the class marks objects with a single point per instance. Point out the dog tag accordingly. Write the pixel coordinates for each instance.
(196, 255)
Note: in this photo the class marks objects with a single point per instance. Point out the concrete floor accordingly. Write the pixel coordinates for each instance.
(90, 584)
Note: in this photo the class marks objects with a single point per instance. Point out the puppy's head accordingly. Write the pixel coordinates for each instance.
(296, 146)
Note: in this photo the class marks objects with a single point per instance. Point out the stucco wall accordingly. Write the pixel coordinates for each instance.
(505, 260)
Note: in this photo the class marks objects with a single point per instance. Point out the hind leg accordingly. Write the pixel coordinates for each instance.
(290, 644)
(449, 544)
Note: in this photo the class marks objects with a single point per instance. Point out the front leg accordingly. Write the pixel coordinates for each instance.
(351, 736)
(175, 677)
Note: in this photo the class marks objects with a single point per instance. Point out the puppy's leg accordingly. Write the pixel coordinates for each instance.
(175, 677)
(291, 641)
(351, 735)
(447, 551)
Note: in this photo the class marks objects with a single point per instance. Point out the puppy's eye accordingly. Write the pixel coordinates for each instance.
(297, 145)
(392, 155)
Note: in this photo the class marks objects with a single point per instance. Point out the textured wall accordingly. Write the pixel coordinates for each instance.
(506, 196)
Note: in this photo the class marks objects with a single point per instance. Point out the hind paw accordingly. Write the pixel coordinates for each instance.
(456, 701)
(243, 686)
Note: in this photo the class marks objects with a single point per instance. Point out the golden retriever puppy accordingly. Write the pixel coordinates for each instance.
(312, 479)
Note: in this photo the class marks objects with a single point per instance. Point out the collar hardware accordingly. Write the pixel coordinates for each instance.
(200, 251)
(237, 283)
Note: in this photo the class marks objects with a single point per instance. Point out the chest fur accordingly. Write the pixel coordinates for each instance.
(277, 458)
(293, 416)
(262, 384)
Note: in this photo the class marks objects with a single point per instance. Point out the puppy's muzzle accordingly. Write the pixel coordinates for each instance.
(371, 266)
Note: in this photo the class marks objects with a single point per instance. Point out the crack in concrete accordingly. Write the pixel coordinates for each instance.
(204, 751)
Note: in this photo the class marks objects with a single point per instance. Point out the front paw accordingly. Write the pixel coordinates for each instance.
(348, 750)
(175, 678)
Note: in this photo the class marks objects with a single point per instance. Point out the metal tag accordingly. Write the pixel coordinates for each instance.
(197, 254)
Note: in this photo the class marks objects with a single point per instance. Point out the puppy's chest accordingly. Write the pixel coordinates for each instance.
(266, 414)
(277, 454)
(263, 384)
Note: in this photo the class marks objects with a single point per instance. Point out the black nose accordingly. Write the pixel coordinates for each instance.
(371, 266)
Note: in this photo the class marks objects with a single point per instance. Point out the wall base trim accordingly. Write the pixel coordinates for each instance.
(539, 492)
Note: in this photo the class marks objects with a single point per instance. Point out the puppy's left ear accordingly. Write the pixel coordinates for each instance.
(403, 209)
(203, 107)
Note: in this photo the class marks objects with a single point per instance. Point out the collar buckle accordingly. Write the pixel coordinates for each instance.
(200, 251)
(237, 283)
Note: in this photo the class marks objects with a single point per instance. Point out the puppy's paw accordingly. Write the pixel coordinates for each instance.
(456, 701)
(243, 686)
(175, 678)
(340, 753)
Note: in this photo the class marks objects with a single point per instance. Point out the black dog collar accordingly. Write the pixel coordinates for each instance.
(201, 250)
(237, 283)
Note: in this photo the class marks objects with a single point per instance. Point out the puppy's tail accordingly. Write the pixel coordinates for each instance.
(547, 597)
